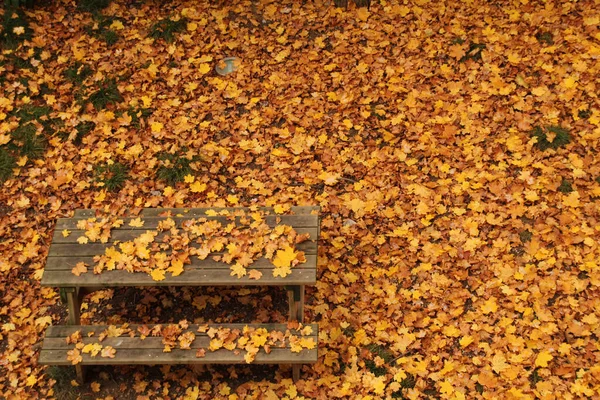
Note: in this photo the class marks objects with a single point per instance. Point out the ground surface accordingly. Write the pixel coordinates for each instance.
(451, 145)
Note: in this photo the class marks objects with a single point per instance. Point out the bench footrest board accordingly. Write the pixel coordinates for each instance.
(202, 344)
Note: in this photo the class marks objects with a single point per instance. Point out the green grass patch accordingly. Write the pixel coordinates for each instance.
(7, 164)
(63, 376)
(565, 186)
(15, 28)
(174, 167)
(474, 52)
(78, 72)
(27, 142)
(111, 176)
(378, 350)
(545, 38)
(409, 382)
(137, 114)
(525, 236)
(93, 6)
(167, 28)
(83, 128)
(101, 29)
(108, 93)
(584, 114)
(30, 112)
(561, 137)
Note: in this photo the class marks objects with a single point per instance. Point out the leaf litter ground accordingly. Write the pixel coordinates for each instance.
(435, 136)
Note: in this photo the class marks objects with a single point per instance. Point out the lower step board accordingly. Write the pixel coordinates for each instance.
(175, 344)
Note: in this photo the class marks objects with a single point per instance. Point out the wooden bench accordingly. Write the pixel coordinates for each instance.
(68, 250)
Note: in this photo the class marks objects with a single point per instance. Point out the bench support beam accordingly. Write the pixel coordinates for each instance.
(74, 306)
(296, 302)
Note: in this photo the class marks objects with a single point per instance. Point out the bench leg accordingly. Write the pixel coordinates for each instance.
(74, 306)
(296, 302)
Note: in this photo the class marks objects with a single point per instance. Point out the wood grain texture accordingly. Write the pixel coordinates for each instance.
(150, 350)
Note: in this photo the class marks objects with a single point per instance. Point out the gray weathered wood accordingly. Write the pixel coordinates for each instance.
(58, 331)
(92, 249)
(127, 233)
(200, 211)
(297, 221)
(67, 263)
(178, 356)
(198, 277)
(134, 350)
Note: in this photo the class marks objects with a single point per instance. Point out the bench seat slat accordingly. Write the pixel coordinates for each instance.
(177, 356)
(297, 221)
(58, 331)
(92, 249)
(66, 263)
(150, 350)
(197, 277)
(200, 211)
(128, 233)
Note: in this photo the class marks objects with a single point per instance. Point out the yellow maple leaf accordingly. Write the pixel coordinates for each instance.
(189, 178)
(542, 359)
(31, 380)
(82, 240)
(282, 55)
(363, 14)
(238, 270)
(254, 274)
(79, 268)
(572, 200)
(569, 82)
(92, 348)
(499, 363)
(95, 387)
(198, 187)
(176, 267)
(281, 271)
(465, 341)
(285, 257)
(66, 232)
(118, 25)
(147, 101)
(74, 356)
(308, 343)
(204, 68)
(489, 306)
(108, 352)
(158, 275)
(211, 213)
(136, 223)
(280, 209)
(156, 126)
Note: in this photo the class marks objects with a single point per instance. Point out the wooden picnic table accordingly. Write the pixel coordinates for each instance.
(66, 252)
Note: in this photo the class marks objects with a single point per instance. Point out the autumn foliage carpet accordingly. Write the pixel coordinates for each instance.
(452, 146)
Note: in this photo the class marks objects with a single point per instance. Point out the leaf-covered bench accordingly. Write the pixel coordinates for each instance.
(183, 247)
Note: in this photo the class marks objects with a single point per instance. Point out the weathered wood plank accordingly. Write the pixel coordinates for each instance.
(92, 249)
(200, 211)
(128, 233)
(125, 342)
(297, 221)
(177, 356)
(62, 331)
(66, 263)
(199, 277)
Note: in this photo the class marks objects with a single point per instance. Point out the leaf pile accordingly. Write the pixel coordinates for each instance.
(250, 340)
(435, 136)
(244, 238)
